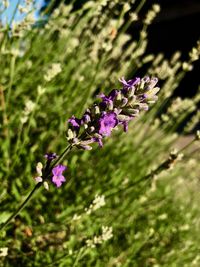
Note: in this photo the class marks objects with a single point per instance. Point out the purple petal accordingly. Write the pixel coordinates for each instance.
(58, 170)
(75, 122)
(129, 83)
(107, 122)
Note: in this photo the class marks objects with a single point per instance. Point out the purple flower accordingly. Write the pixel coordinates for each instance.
(98, 140)
(86, 118)
(58, 178)
(117, 108)
(107, 101)
(76, 123)
(107, 122)
(129, 83)
(50, 156)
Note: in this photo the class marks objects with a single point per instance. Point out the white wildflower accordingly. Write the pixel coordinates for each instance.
(151, 14)
(151, 232)
(125, 181)
(70, 251)
(143, 199)
(23, 9)
(133, 16)
(186, 66)
(196, 260)
(76, 217)
(30, 18)
(6, 3)
(107, 233)
(156, 8)
(126, 7)
(29, 107)
(162, 217)
(185, 227)
(53, 71)
(194, 54)
(90, 243)
(23, 120)
(97, 203)
(41, 90)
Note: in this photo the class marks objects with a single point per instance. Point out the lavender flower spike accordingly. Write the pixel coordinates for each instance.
(58, 177)
(119, 107)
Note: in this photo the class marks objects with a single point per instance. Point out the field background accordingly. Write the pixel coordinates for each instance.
(53, 68)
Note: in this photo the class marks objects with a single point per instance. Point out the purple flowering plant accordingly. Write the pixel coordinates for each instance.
(117, 108)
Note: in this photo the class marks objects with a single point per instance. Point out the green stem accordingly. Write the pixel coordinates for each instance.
(78, 256)
(139, 7)
(65, 152)
(37, 186)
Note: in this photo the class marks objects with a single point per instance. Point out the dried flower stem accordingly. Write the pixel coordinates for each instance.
(163, 166)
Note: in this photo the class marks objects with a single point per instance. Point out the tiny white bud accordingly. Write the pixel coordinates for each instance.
(38, 179)
(46, 185)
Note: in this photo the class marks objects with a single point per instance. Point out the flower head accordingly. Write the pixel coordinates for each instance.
(117, 108)
(58, 177)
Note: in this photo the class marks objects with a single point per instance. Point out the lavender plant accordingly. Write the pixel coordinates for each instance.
(132, 202)
(117, 108)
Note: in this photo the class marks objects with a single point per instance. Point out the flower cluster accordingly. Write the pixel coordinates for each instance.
(53, 71)
(56, 172)
(117, 108)
(107, 233)
(96, 204)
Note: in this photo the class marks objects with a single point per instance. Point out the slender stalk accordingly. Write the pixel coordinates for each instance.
(24, 203)
(78, 256)
(37, 186)
(139, 7)
(65, 152)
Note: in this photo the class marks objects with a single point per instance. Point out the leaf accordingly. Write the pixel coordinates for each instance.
(4, 216)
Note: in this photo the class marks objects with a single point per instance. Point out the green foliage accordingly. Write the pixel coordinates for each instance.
(53, 70)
